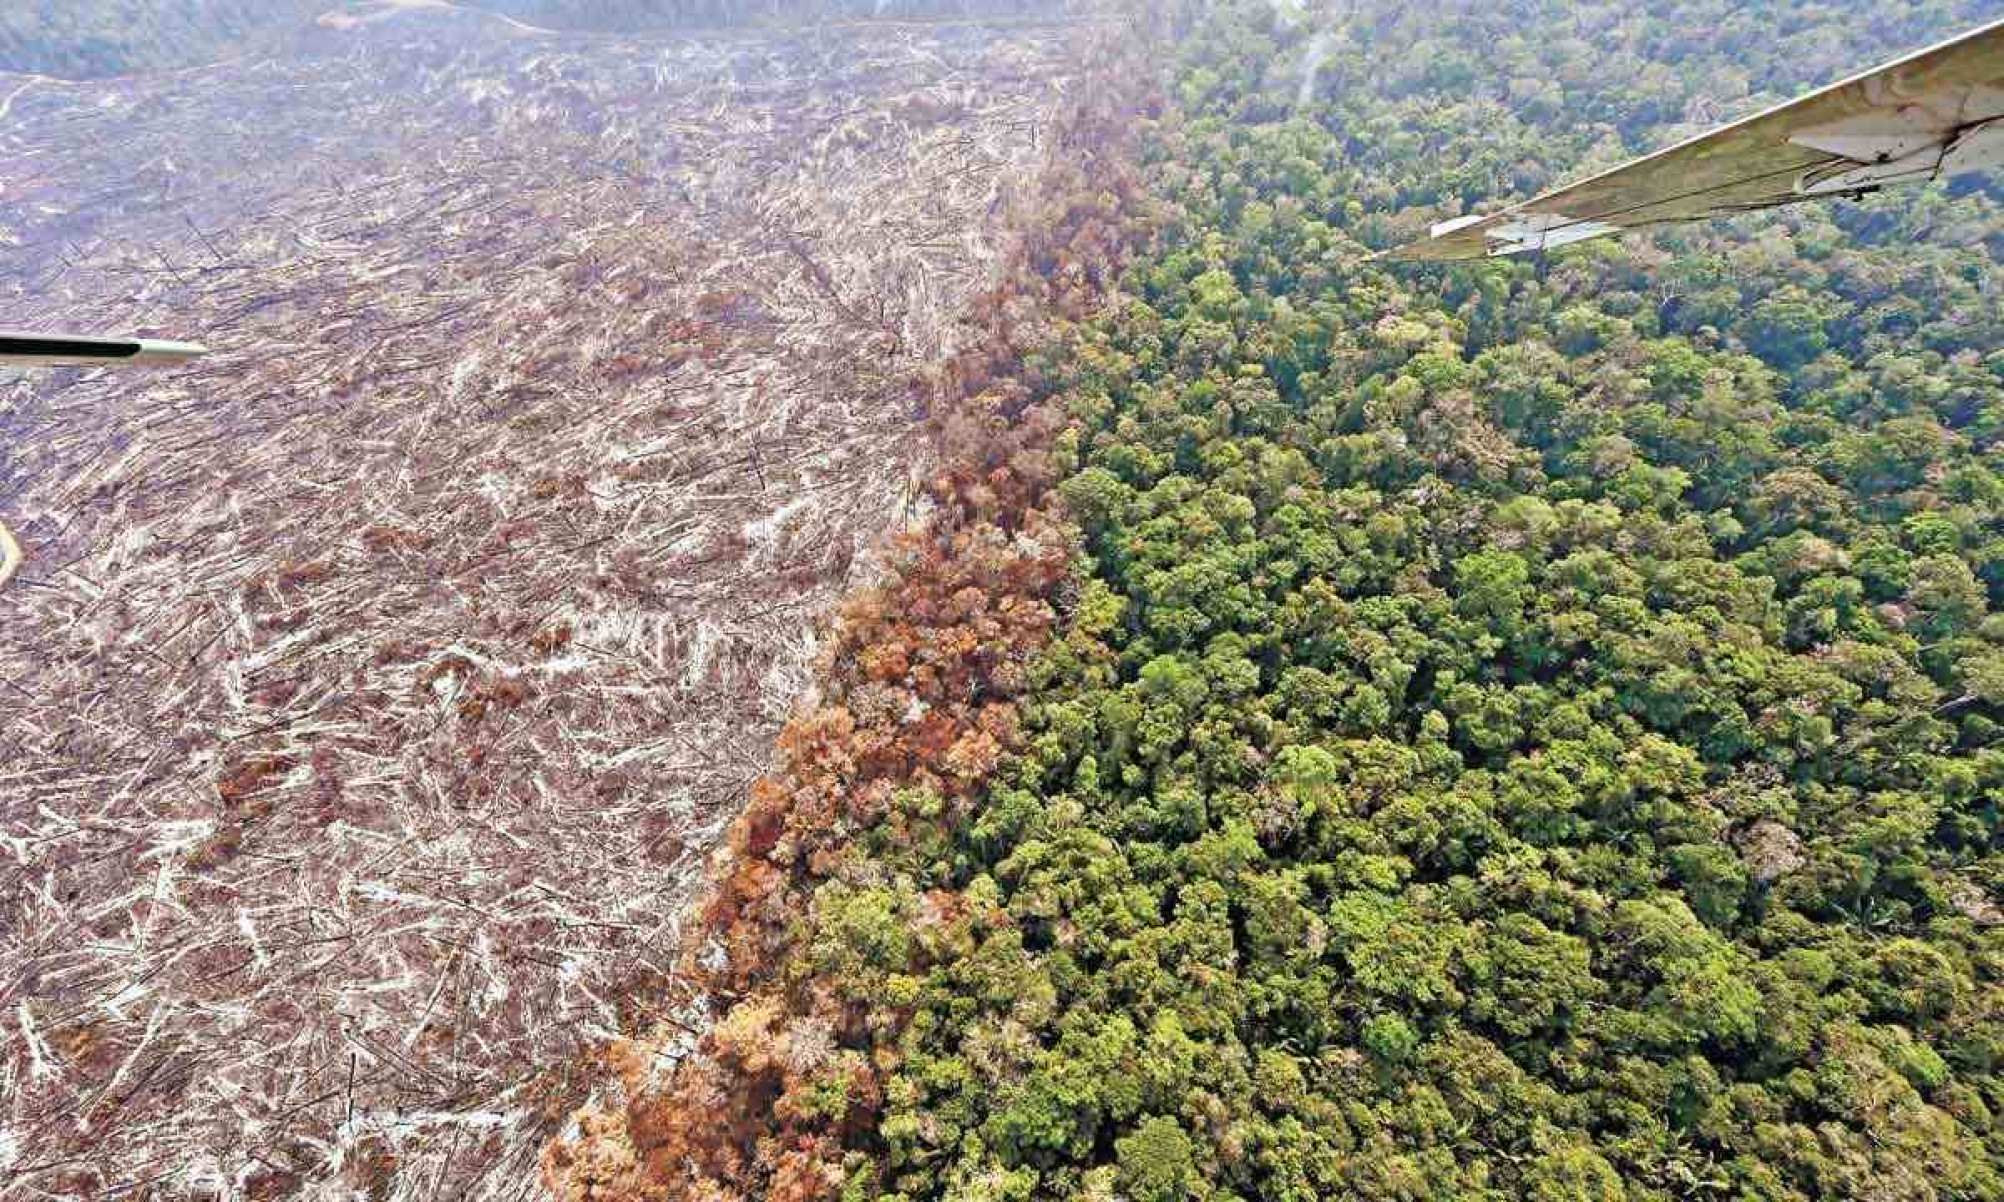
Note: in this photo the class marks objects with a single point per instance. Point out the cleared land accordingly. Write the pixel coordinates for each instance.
(376, 687)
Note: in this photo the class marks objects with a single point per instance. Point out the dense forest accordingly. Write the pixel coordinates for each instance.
(1530, 730)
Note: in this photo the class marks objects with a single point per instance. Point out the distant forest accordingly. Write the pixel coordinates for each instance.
(86, 39)
(668, 14)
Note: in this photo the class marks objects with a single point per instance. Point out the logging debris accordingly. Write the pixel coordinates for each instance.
(378, 684)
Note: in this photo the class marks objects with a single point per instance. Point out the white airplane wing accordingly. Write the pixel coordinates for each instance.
(1932, 114)
(19, 349)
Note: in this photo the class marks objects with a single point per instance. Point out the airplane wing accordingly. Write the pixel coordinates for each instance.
(1932, 114)
(19, 349)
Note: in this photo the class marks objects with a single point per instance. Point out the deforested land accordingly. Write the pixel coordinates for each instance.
(377, 686)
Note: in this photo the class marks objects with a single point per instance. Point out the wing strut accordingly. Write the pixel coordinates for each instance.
(21, 349)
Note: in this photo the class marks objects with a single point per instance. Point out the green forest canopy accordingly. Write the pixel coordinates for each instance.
(1524, 731)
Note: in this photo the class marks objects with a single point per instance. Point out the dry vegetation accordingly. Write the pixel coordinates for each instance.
(764, 1066)
(376, 685)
